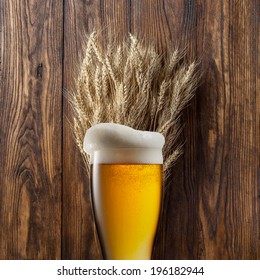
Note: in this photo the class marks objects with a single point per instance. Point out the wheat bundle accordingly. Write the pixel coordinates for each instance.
(134, 85)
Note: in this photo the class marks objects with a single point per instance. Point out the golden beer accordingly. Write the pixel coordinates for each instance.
(127, 200)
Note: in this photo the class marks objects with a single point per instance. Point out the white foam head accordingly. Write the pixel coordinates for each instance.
(115, 143)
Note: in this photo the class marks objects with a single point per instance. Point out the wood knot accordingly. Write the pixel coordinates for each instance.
(39, 70)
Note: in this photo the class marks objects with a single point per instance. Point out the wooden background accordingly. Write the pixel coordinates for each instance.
(212, 210)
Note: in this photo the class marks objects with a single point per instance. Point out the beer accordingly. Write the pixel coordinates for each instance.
(127, 201)
(126, 182)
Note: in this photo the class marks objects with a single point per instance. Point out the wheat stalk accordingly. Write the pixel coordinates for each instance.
(132, 84)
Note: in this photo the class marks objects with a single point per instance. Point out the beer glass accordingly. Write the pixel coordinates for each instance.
(126, 188)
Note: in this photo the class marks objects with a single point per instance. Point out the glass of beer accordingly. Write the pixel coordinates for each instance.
(126, 184)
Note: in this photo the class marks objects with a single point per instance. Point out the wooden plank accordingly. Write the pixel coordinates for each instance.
(229, 133)
(79, 240)
(78, 237)
(256, 44)
(30, 129)
(175, 24)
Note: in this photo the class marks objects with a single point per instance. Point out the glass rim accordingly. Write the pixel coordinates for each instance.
(145, 155)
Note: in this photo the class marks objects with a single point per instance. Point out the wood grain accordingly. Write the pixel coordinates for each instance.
(229, 150)
(81, 17)
(211, 210)
(30, 129)
(172, 24)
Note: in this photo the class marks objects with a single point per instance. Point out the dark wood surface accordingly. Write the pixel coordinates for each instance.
(30, 129)
(211, 210)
